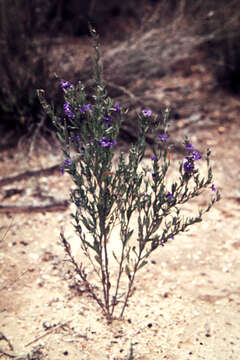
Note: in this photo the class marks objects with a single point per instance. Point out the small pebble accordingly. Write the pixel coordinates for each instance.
(24, 243)
(165, 294)
(46, 325)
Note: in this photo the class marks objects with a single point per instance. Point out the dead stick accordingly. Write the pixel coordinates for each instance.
(48, 332)
(3, 337)
(13, 282)
(22, 176)
(55, 206)
(2, 352)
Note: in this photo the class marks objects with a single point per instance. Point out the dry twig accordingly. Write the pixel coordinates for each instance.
(13, 282)
(59, 325)
(40, 172)
(52, 206)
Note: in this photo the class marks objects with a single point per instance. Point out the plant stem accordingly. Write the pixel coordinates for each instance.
(129, 290)
(108, 285)
(118, 281)
(79, 271)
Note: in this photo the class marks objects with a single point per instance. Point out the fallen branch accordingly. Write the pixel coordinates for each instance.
(10, 355)
(11, 284)
(5, 234)
(41, 172)
(3, 337)
(61, 205)
(49, 332)
(34, 354)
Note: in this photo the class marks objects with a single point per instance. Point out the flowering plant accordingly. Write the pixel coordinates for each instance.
(111, 194)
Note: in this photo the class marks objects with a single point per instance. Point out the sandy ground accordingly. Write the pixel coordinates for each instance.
(187, 300)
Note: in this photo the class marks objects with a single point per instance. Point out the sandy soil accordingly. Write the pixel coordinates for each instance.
(186, 304)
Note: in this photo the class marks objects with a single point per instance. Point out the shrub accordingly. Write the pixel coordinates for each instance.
(109, 195)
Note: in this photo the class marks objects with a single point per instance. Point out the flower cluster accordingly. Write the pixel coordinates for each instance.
(68, 110)
(85, 108)
(147, 113)
(66, 85)
(104, 142)
(162, 137)
(189, 164)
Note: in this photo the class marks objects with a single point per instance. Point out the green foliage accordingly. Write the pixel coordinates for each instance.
(118, 195)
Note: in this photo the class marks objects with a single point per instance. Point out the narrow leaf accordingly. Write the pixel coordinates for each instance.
(143, 263)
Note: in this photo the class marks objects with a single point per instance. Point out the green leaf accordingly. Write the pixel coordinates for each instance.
(115, 257)
(143, 263)
(97, 258)
(129, 234)
(127, 271)
(96, 246)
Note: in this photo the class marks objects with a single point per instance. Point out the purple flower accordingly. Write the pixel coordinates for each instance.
(196, 155)
(107, 120)
(104, 142)
(154, 175)
(68, 110)
(67, 161)
(189, 146)
(162, 137)
(170, 195)
(213, 187)
(116, 108)
(188, 167)
(66, 85)
(172, 237)
(154, 158)
(147, 113)
(76, 138)
(85, 108)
